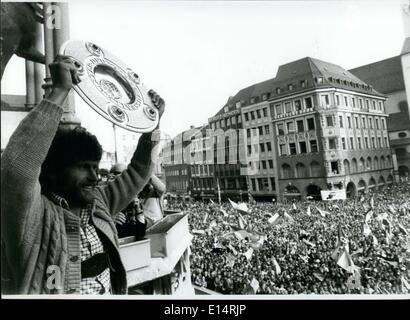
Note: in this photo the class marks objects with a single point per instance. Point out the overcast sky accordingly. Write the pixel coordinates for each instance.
(196, 54)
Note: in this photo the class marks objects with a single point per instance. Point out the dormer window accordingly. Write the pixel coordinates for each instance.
(303, 83)
(252, 100)
(278, 90)
(290, 87)
(238, 104)
(319, 80)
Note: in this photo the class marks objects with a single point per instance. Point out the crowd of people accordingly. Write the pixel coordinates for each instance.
(234, 252)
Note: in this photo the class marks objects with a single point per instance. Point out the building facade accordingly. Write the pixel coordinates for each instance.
(313, 127)
(388, 77)
(330, 131)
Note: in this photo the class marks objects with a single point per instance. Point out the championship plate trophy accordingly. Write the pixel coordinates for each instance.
(111, 88)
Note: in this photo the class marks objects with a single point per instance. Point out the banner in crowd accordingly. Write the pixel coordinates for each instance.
(329, 195)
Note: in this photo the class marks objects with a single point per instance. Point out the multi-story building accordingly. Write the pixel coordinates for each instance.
(257, 122)
(177, 163)
(387, 77)
(227, 131)
(313, 127)
(202, 168)
(330, 130)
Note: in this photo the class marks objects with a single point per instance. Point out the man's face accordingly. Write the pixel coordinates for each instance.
(77, 182)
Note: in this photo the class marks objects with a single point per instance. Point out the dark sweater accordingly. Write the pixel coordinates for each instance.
(40, 238)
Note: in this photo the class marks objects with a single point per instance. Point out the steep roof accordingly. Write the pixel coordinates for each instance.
(385, 76)
(311, 70)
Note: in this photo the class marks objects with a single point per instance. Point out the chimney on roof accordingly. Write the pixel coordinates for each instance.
(191, 127)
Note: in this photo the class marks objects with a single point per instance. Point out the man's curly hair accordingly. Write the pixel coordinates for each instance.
(67, 148)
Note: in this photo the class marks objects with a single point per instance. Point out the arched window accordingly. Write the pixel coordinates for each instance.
(369, 164)
(376, 163)
(301, 171)
(382, 162)
(346, 166)
(381, 182)
(388, 162)
(354, 165)
(315, 169)
(286, 171)
(390, 179)
(361, 165)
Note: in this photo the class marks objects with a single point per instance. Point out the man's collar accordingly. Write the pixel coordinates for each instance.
(60, 201)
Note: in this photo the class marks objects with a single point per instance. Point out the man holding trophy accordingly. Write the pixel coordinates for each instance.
(58, 233)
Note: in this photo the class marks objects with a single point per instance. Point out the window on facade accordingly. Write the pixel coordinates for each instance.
(253, 184)
(265, 112)
(361, 103)
(268, 146)
(298, 105)
(282, 149)
(313, 146)
(263, 164)
(324, 98)
(377, 123)
(300, 126)
(366, 143)
(270, 162)
(380, 105)
(246, 116)
(281, 130)
(356, 121)
(292, 148)
(253, 115)
(341, 121)
(260, 129)
(353, 102)
(351, 143)
(258, 114)
(278, 109)
(267, 130)
(311, 124)
(373, 143)
(337, 100)
(374, 104)
(346, 101)
(332, 143)
(248, 133)
(344, 143)
(349, 122)
(308, 102)
(379, 140)
(290, 126)
(367, 104)
(364, 122)
(302, 147)
(262, 147)
(249, 149)
(329, 121)
(383, 124)
(334, 167)
(386, 142)
(359, 143)
(288, 107)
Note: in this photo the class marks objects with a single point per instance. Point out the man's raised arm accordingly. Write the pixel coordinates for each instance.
(119, 193)
(24, 154)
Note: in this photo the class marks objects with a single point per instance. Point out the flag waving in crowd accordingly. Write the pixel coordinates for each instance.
(303, 250)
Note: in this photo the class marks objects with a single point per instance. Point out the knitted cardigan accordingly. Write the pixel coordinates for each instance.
(41, 240)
